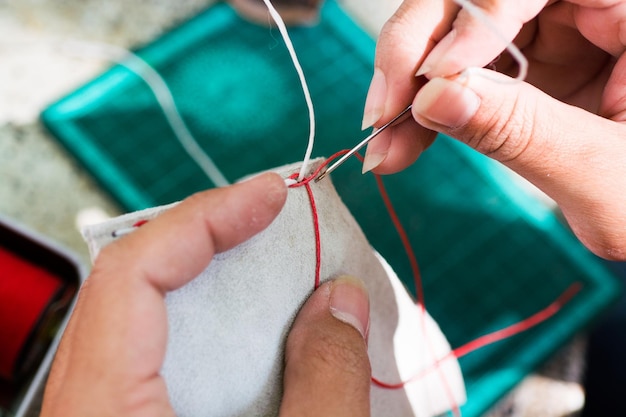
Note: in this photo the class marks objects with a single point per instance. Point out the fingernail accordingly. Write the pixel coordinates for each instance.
(349, 303)
(377, 151)
(446, 102)
(372, 160)
(424, 69)
(375, 101)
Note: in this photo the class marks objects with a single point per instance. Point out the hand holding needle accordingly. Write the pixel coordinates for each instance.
(398, 119)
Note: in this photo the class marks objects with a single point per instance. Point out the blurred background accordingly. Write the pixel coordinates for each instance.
(42, 187)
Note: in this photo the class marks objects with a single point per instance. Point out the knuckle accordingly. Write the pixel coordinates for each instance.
(394, 32)
(507, 138)
(199, 199)
(402, 34)
(399, 20)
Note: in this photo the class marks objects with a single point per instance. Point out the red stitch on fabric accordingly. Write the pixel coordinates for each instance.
(316, 223)
(121, 232)
(140, 223)
(318, 243)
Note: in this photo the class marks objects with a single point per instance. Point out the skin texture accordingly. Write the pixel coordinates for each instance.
(562, 129)
(109, 359)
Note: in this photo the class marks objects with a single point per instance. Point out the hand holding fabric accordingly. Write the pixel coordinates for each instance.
(109, 359)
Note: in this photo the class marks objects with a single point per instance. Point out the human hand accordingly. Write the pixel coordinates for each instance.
(563, 129)
(111, 353)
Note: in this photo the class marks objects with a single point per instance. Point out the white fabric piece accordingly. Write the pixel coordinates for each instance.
(228, 326)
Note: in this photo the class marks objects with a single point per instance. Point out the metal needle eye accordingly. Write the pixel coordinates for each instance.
(398, 119)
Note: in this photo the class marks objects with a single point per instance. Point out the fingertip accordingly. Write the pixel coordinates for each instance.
(444, 102)
(273, 187)
(436, 61)
(375, 101)
(327, 371)
(276, 189)
(376, 151)
(266, 179)
(423, 70)
(345, 298)
(407, 142)
(349, 303)
(372, 160)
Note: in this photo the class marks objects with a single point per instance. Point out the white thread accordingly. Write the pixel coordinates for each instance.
(164, 96)
(305, 89)
(477, 13)
(123, 231)
(165, 99)
(161, 92)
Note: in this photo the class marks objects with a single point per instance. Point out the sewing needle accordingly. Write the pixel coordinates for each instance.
(399, 118)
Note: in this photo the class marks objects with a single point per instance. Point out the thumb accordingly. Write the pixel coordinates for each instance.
(327, 369)
(574, 156)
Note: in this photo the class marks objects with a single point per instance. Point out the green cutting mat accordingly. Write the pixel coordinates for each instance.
(490, 254)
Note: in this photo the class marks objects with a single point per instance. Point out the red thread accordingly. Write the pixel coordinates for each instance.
(121, 232)
(407, 247)
(417, 276)
(461, 351)
(316, 224)
(497, 335)
(419, 288)
(521, 326)
(140, 223)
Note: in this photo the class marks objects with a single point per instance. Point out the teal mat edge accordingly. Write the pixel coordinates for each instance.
(89, 155)
(598, 299)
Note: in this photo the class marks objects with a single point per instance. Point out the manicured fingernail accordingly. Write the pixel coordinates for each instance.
(375, 101)
(372, 160)
(349, 303)
(446, 102)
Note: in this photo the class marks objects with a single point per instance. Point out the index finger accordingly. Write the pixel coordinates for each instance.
(476, 38)
(114, 345)
(404, 42)
(175, 247)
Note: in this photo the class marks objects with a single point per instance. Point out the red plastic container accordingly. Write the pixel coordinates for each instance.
(39, 281)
